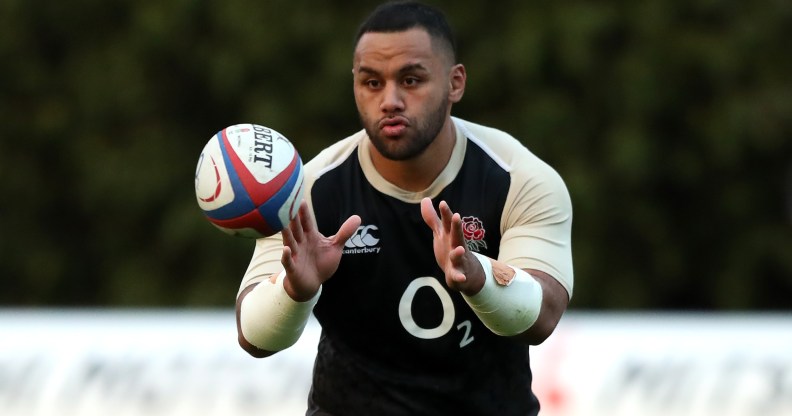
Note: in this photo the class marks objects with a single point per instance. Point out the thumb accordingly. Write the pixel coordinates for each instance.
(346, 230)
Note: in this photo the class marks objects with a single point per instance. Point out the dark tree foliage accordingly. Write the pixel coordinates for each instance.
(669, 120)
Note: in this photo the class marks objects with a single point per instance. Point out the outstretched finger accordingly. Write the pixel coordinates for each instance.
(288, 234)
(458, 262)
(457, 257)
(457, 235)
(445, 215)
(296, 228)
(306, 218)
(429, 214)
(287, 261)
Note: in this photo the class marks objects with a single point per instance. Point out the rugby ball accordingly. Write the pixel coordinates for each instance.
(249, 181)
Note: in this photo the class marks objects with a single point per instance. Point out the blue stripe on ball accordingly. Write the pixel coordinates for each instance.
(269, 210)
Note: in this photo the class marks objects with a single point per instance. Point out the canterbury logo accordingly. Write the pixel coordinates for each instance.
(363, 241)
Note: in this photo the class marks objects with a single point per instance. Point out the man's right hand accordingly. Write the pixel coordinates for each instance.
(309, 257)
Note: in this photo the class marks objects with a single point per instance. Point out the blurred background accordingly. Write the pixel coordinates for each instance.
(669, 120)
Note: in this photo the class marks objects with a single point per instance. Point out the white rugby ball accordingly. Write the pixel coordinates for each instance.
(249, 181)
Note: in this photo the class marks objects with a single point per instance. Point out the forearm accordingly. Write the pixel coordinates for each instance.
(268, 319)
(510, 300)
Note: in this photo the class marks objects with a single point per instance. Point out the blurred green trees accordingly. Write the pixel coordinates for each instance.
(669, 120)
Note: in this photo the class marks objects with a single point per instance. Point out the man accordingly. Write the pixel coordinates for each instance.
(433, 251)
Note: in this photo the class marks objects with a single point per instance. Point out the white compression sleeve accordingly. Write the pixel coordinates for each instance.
(506, 309)
(270, 319)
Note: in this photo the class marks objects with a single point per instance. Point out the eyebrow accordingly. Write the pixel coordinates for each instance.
(403, 70)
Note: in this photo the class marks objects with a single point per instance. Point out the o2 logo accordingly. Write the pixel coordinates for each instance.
(449, 313)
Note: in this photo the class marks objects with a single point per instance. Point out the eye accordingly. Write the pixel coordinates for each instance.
(411, 81)
(372, 83)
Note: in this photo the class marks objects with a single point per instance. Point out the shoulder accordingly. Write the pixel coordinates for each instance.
(333, 155)
(509, 152)
(537, 191)
(331, 158)
(327, 161)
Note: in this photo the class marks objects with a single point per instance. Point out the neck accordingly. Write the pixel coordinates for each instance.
(417, 174)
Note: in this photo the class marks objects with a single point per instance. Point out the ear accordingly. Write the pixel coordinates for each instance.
(457, 80)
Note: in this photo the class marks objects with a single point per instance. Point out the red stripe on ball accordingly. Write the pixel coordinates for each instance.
(252, 219)
(258, 192)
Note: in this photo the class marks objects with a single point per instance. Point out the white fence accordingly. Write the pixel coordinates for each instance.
(153, 362)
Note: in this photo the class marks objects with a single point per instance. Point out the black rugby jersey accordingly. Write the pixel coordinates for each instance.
(395, 340)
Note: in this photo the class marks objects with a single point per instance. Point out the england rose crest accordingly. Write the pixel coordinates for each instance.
(473, 229)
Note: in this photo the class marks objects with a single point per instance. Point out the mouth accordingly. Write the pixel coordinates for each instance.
(393, 126)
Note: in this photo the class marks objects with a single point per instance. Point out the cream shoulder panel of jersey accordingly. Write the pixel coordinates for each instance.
(267, 252)
(536, 225)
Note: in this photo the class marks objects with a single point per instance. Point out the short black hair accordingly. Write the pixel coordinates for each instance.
(399, 16)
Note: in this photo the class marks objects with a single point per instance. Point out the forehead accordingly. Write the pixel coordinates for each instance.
(410, 46)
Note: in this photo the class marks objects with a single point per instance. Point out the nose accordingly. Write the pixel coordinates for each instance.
(392, 100)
